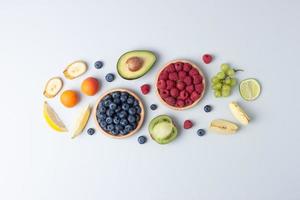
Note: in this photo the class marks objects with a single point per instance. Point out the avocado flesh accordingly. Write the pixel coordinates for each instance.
(162, 129)
(148, 58)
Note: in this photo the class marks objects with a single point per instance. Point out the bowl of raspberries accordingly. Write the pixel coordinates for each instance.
(119, 113)
(180, 84)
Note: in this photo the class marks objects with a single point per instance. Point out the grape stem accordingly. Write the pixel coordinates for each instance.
(238, 70)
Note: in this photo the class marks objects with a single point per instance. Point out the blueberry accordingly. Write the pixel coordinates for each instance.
(134, 125)
(200, 132)
(98, 113)
(110, 77)
(128, 128)
(207, 108)
(123, 122)
(125, 106)
(119, 127)
(103, 124)
(122, 132)
(98, 64)
(135, 103)
(132, 111)
(137, 118)
(110, 112)
(142, 139)
(153, 107)
(130, 100)
(138, 109)
(117, 101)
(107, 103)
(91, 131)
(122, 114)
(118, 109)
(102, 109)
(102, 116)
(115, 132)
(116, 120)
(131, 118)
(109, 120)
(116, 95)
(113, 106)
(123, 98)
(110, 127)
(107, 97)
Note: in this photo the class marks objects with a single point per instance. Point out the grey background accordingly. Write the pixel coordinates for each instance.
(38, 39)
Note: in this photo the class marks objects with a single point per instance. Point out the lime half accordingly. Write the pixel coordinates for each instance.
(250, 89)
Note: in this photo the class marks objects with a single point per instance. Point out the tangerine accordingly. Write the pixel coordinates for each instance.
(69, 98)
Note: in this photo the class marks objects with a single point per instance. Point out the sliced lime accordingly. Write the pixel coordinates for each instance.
(250, 89)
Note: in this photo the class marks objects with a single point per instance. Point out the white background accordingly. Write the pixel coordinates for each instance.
(261, 162)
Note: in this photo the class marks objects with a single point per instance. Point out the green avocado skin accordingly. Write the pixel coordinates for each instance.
(139, 76)
(156, 120)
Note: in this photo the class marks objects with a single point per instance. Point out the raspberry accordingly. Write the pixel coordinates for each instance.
(178, 66)
(170, 100)
(181, 75)
(161, 84)
(180, 85)
(170, 84)
(174, 92)
(194, 96)
(187, 67)
(164, 93)
(188, 80)
(187, 124)
(190, 89)
(207, 58)
(183, 94)
(193, 71)
(170, 68)
(173, 76)
(188, 102)
(197, 79)
(163, 75)
(180, 103)
(145, 88)
(199, 88)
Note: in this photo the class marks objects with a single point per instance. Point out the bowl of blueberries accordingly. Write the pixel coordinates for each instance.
(119, 113)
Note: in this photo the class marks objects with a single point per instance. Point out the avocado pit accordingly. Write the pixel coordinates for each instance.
(134, 63)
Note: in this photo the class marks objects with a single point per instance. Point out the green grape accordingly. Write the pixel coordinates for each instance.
(226, 88)
(218, 93)
(217, 86)
(233, 82)
(221, 75)
(225, 93)
(230, 73)
(225, 67)
(227, 81)
(215, 80)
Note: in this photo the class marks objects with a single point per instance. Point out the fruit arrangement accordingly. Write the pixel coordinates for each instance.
(180, 84)
(119, 113)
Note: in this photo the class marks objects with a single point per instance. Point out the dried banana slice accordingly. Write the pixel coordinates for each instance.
(239, 113)
(223, 126)
(75, 69)
(53, 86)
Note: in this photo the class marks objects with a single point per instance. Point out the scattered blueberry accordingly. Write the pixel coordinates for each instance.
(91, 131)
(207, 108)
(98, 64)
(142, 139)
(153, 107)
(110, 77)
(201, 132)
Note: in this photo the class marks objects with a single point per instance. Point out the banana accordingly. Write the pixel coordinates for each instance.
(81, 121)
(75, 69)
(53, 86)
(239, 113)
(223, 126)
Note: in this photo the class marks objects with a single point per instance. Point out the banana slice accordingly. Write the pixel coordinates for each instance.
(53, 86)
(239, 113)
(75, 69)
(223, 126)
(81, 121)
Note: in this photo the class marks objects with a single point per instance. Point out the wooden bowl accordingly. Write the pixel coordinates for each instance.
(203, 82)
(142, 114)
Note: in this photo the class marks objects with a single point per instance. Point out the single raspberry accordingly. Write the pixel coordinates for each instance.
(145, 88)
(180, 103)
(161, 84)
(207, 58)
(164, 93)
(190, 89)
(170, 84)
(183, 95)
(171, 68)
(187, 67)
(197, 79)
(187, 124)
(181, 75)
(174, 92)
(173, 76)
(188, 80)
(171, 101)
(178, 66)
(180, 85)
(163, 75)
(193, 71)
(194, 96)
(188, 102)
(199, 88)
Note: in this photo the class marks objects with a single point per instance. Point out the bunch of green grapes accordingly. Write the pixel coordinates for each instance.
(224, 81)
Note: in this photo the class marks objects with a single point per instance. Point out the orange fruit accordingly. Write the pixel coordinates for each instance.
(69, 98)
(90, 86)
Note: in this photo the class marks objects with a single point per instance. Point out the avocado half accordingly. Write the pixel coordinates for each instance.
(135, 64)
(162, 129)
